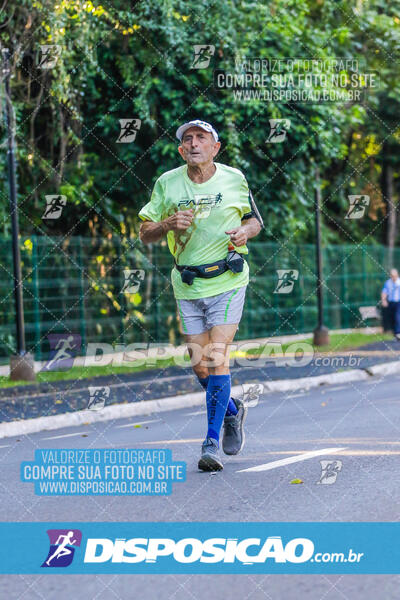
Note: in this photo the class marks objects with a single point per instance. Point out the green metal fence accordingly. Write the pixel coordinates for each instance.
(76, 285)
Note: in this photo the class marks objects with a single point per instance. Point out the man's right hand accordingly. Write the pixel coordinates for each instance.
(151, 232)
(180, 221)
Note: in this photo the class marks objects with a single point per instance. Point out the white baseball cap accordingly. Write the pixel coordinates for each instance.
(196, 123)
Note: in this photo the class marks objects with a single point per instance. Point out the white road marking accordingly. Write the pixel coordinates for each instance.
(335, 389)
(194, 414)
(295, 395)
(6, 446)
(292, 459)
(57, 437)
(137, 423)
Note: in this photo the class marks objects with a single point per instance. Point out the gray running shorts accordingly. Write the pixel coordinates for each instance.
(202, 314)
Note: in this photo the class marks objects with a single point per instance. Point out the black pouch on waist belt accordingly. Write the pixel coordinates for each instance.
(233, 262)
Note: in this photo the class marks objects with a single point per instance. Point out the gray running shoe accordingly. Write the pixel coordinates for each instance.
(233, 439)
(210, 459)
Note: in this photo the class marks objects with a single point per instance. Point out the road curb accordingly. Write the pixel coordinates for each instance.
(386, 369)
(147, 407)
(85, 417)
(287, 385)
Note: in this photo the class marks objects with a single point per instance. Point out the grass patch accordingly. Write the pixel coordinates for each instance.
(351, 341)
(337, 342)
(85, 373)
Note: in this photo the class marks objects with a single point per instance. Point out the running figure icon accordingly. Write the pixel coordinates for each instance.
(64, 348)
(62, 549)
(286, 281)
(63, 544)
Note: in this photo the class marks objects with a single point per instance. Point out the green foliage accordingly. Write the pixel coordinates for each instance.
(120, 62)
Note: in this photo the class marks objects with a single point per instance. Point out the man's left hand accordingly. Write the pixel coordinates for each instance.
(238, 236)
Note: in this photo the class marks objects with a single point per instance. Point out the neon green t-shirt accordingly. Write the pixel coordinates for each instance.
(219, 205)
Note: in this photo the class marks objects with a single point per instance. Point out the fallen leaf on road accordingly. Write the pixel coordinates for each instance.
(297, 481)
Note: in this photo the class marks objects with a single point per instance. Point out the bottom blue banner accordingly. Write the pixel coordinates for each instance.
(200, 547)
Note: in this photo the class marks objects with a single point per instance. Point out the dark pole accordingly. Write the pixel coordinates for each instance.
(14, 210)
(321, 333)
(317, 206)
(21, 368)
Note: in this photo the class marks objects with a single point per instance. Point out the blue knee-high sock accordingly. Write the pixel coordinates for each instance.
(218, 394)
(231, 408)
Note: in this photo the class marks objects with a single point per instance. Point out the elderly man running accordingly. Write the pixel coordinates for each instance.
(205, 210)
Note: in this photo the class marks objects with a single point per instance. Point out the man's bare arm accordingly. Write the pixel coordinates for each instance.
(151, 232)
(252, 227)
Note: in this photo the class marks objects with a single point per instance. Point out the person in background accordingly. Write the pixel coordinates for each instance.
(390, 297)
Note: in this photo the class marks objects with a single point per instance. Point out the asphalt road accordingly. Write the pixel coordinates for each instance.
(362, 419)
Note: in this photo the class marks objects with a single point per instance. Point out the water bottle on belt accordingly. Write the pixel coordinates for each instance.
(234, 260)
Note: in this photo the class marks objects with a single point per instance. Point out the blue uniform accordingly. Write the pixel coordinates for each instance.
(392, 290)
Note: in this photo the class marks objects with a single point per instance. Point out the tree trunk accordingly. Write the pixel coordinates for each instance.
(32, 142)
(62, 148)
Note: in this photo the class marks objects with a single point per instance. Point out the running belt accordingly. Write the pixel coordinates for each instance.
(233, 262)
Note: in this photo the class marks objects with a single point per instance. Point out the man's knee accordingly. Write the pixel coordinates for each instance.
(217, 354)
